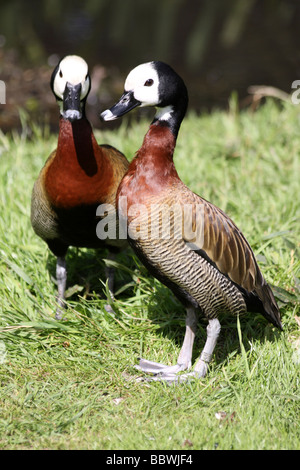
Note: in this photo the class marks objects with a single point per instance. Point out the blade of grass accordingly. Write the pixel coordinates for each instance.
(243, 351)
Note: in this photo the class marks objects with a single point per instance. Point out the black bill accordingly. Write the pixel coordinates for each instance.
(71, 102)
(126, 103)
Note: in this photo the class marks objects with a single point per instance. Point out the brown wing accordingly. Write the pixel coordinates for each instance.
(224, 244)
(227, 247)
(119, 164)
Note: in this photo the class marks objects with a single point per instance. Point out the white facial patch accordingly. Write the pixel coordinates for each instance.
(72, 69)
(143, 81)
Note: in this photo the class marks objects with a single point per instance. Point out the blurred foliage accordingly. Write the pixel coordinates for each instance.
(130, 30)
(217, 46)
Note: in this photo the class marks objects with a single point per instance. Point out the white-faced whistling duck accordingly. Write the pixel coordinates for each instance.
(77, 177)
(201, 256)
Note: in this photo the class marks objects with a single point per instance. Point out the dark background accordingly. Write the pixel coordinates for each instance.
(217, 46)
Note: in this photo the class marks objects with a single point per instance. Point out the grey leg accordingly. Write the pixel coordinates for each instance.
(61, 277)
(185, 356)
(213, 331)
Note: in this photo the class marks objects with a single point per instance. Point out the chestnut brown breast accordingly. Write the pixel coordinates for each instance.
(80, 172)
(77, 177)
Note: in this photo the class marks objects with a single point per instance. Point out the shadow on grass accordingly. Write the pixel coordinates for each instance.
(166, 311)
(86, 270)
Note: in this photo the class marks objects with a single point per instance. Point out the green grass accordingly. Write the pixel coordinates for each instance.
(70, 384)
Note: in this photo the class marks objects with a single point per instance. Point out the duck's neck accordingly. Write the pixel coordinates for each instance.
(152, 169)
(169, 117)
(77, 146)
(172, 114)
(159, 142)
(79, 173)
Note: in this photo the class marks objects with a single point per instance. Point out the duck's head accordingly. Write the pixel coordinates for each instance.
(151, 84)
(71, 83)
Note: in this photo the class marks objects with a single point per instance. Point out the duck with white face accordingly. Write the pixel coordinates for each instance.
(71, 84)
(135, 93)
(77, 178)
(219, 274)
(153, 84)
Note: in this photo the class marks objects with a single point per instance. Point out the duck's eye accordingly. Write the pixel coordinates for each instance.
(149, 82)
(60, 74)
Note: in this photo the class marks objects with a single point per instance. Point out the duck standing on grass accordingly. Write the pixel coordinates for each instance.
(78, 176)
(202, 256)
